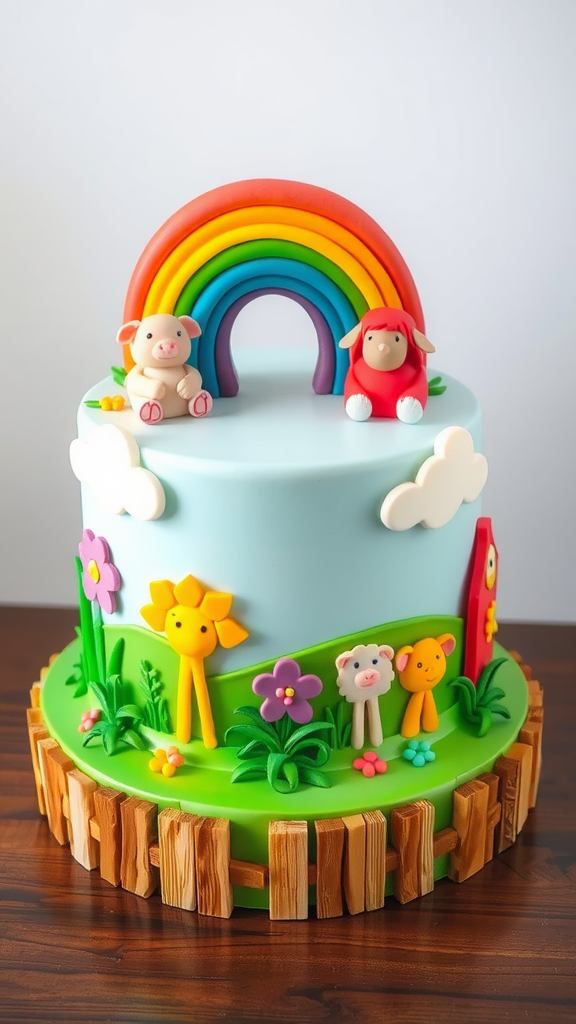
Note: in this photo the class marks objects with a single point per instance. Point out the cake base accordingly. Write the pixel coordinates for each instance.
(215, 844)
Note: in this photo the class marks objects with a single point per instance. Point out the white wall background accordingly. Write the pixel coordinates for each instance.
(451, 122)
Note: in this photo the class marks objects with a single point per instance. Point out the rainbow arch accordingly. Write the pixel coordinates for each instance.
(269, 236)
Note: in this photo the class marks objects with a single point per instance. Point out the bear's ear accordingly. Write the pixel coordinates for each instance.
(447, 643)
(402, 657)
(386, 652)
(422, 341)
(348, 340)
(194, 329)
(126, 333)
(342, 659)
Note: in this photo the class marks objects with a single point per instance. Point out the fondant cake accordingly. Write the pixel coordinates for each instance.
(287, 591)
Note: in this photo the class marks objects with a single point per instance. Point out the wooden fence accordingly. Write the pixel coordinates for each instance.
(187, 856)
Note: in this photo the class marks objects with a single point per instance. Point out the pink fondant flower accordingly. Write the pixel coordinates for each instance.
(370, 764)
(100, 577)
(287, 692)
(88, 719)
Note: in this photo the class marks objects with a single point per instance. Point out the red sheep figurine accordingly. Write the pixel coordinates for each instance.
(387, 375)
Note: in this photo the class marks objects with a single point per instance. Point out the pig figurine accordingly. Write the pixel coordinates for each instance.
(162, 384)
(387, 375)
(363, 674)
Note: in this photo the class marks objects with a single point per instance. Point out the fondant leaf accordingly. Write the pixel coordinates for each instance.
(485, 721)
(189, 592)
(290, 771)
(306, 732)
(154, 616)
(162, 594)
(255, 769)
(276, 764)
(311, 762)
(254, 715)
(499, 709)
(216, 606)
(492, 693)
(115, 662)
(230, 633)
(134, 739)
(487, 675)
(247, 732)
(252, 749)
(314, 777)
(129, 711)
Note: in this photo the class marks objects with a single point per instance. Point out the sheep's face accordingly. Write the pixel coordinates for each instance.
(384, 350)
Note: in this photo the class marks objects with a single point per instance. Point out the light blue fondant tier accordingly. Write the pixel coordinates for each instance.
(275, 497)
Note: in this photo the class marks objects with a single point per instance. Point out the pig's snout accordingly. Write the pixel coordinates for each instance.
(367, 678)
(165, 349)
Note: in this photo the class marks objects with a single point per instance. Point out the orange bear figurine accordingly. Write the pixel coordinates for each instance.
(420, 669)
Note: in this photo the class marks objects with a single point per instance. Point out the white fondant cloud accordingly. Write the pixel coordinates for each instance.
(108, 462)
(454, 474)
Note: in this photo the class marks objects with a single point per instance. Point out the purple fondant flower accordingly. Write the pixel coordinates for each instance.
(100, 577)
(286, 692)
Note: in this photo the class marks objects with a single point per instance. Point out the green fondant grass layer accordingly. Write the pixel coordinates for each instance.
(203, 786)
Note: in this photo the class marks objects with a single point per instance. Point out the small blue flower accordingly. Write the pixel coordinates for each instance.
(418, 753)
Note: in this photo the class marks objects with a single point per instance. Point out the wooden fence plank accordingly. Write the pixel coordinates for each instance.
(522, 752)
(413, 838)
(177, 858)
(35, 694)
(426, 847)
(508, 772)
(288, 860)
(213, 886)
(531, 734)
(329, 855)
(81, 791)
(354, 873)
(494, 811)
(375, 859)
(535, 694)
(107, 803)
(470, 816)
(139, 829)
(54, 764)
(36, 732)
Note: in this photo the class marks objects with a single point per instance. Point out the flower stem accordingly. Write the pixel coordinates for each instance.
(86, 626)
(99, 642)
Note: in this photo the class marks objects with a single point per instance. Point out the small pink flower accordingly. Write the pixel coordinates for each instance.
(370, 764)
(100, 577)
(88, 719)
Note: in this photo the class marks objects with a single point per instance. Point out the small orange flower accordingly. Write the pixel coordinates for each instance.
(166, 761)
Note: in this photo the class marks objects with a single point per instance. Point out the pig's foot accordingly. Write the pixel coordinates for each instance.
(151, 412)
(200, 405)
(409, 410)
(359, 408)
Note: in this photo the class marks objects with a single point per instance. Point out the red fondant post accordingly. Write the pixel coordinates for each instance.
(480, 617)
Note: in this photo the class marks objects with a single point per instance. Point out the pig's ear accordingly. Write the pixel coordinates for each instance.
(127, 331)
(386, 652)
(447, 643)
(194, 329)
(402, 657)
(342, 659)
(348, 340)
(422, 341)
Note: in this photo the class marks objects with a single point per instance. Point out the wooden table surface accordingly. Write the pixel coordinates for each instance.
(499, 947)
